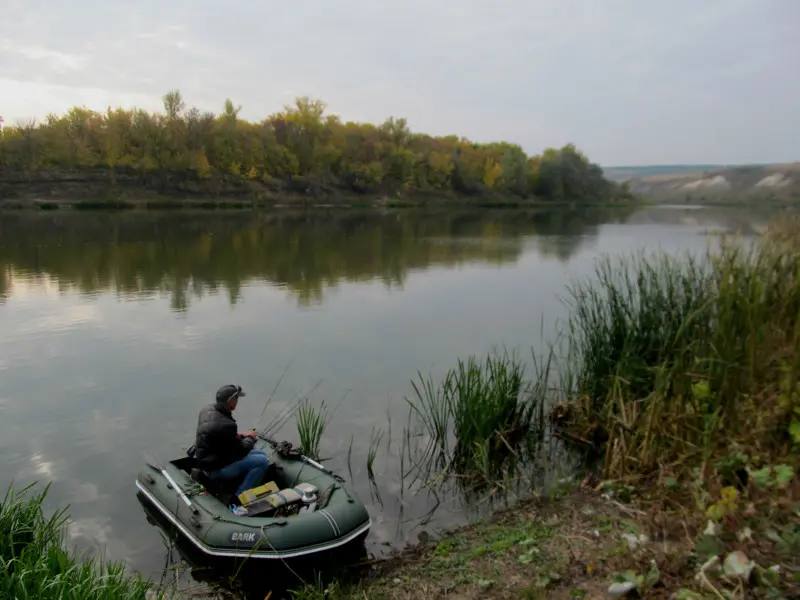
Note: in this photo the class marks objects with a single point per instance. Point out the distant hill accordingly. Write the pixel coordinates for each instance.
(712, 183)
(627, 172)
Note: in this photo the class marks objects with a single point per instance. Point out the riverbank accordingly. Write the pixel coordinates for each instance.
(584, 542)
(98, 192)
(157, 203)
(575, 540)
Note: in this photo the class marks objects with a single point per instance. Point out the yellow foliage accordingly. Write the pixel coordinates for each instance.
(727, 503)
(202, 167)
(300, 140)
(441, 166)
(492, 173)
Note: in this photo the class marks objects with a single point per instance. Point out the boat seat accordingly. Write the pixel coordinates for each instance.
(224, 491)
(202, 478)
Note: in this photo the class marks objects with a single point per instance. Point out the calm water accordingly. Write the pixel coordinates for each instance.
(117, 328)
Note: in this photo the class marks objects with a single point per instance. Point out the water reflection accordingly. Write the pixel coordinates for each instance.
(119, 327)
(188, 256)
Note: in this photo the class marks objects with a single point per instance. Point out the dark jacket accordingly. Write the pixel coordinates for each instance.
(217, 443)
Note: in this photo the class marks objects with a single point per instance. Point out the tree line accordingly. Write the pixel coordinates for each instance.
(300, 147)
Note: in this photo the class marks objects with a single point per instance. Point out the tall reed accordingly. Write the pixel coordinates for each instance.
(372, 452)
(677, 359)
(36, 565)
(480, 422)
(312, 421)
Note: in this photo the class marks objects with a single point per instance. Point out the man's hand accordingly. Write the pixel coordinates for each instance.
(252, 433)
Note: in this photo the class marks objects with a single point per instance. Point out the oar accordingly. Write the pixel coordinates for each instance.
(155, 463)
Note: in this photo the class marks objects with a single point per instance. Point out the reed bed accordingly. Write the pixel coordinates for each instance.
(36, 565)
(478, 425)
(676, 360)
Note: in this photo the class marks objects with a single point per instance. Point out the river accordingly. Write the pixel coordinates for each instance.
(118, 327)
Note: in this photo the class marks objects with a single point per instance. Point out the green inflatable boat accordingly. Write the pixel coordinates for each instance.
(312, 512)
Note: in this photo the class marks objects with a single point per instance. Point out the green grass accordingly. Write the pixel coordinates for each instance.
(36, 564)
(478, 425)
(675, 360)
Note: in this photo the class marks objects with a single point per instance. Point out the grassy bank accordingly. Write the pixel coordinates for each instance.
(575, 543)
(36, 563)
(679, 381)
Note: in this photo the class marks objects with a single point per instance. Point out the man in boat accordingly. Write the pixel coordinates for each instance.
(223, 453)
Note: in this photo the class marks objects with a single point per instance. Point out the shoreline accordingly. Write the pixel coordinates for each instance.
(156, 203)
(563, 544)
(573, 540)
(582, 541)
(143, 199)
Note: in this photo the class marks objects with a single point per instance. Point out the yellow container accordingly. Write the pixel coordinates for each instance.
(253, 494)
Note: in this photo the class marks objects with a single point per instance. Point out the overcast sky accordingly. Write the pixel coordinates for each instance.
(628, 81)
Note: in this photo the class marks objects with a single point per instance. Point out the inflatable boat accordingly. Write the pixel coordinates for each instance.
(312, 511)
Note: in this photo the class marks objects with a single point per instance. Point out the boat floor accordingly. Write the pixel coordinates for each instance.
(225, 491)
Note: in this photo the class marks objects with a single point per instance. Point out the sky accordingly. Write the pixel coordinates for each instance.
(628, 82)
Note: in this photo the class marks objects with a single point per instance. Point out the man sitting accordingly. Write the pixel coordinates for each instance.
(223, 453)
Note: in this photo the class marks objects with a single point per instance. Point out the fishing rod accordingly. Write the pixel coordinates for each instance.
(275, 389)
(303, 457)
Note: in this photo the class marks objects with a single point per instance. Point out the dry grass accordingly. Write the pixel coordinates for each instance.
(574, 544)
(677, 363)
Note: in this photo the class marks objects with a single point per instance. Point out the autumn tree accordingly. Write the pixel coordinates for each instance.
(300, 146)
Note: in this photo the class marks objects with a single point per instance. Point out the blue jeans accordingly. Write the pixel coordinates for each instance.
(254, 465)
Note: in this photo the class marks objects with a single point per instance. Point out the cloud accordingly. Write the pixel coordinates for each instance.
(50, 59)
(24, 99)
(41, 466)
(629, 82)
(61, 320)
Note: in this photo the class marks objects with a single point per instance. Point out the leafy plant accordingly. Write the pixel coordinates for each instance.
(773, 476)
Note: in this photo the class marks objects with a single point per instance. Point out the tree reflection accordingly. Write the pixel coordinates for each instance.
(189, 255)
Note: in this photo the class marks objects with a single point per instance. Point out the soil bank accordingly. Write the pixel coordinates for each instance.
(581, 542)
